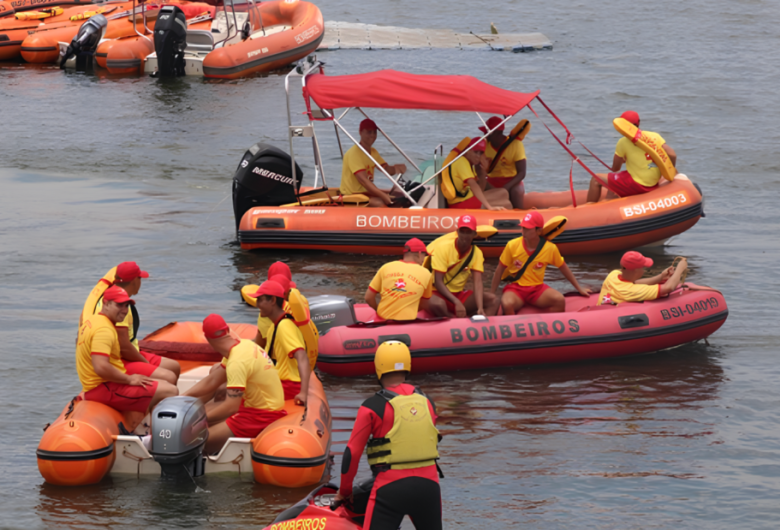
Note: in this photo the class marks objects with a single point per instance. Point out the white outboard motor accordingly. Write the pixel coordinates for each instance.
(84, 44)
(179, 432)
(170, 40)
(330, 310)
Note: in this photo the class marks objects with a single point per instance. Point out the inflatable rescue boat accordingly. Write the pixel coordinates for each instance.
(272, 210)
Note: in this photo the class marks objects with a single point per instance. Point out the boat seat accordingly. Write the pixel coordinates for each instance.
(199, 41)
(428, 199)
(222, 26)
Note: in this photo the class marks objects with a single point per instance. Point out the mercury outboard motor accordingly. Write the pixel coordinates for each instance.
(170, 39)
(179, 432)
(264, 178)
(330, 310)
(85, 42)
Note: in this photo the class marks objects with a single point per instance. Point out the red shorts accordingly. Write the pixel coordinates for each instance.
(462, 296)
(624, 184)
(146, 369)
(249, 422)
(527, 293)
(153, 359)
(291, 389)
(500, 182)
(471, 203)
(123, 397)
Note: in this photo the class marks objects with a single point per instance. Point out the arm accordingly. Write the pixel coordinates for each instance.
(226, 408)
(479, 194)
(109, 372)
(460, 310)
(206, 387)
(371, 298)
(671, 153)
(394, 169)
(520, 166)
(500, 268)
(617, 163)
(658, 278)
(260, 340)
(127, 350)
(572, 280)
(478, 288)
(371, 188)
(304, 370)
(674, 281)
(357, 443)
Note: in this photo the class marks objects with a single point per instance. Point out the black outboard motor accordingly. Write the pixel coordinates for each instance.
(170, 39)
(264, 178)
(329, 310)
(179, 432)
(85, 43)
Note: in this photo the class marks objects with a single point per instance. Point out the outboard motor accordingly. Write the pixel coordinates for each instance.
(170, 39)
(264, 178)
(330, 310)
(85, 43)
(179, 432)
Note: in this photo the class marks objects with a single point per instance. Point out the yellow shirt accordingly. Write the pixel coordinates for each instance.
(401, 284)
(515, 254)
(265, 323)
(288, 340)
(461, 171)
(249, 369)
(96, 336)
(126, 323)
(638, 163)
(446, 259)
(356, 160)
(505, 168)
(615, 290)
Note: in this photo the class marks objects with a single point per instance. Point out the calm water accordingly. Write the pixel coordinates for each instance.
(97, 170)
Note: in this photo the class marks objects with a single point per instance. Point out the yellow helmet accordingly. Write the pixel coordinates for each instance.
(392, 356)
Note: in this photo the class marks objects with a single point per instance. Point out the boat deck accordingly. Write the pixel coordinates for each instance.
(349, 35)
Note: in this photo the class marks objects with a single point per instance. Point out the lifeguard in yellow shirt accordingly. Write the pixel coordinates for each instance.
(404, 286)
(357, 173)
(469, 181)
(530, 288)
(509, 171)
(641, 174)
(627, 284)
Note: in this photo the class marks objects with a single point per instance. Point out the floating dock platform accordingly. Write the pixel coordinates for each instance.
(353, 36)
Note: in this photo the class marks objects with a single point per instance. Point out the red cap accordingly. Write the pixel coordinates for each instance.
(117, 294)
(491, 123)
(368, 125)
(532, 219)
(129, 271)
(478, 143)
(631, 117)
(415, 245)
(467, 221)
(269, 288)
(634, 260)
(282, 280)
(215, 327)
(281, 268)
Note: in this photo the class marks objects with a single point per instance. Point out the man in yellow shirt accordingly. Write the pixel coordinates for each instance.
(509, 171)
(470, 185)
(530, 287)
(627, 284)
(104, 377)
(453, 261)
(404, 286)
(255, 398)
(357, 173)
(285, 343)
(280, 273)
(641, 174)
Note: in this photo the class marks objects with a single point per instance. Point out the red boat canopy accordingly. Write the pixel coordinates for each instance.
(390, 89)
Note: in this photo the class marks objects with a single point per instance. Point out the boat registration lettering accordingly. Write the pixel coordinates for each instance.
(314, 523)
(519, 330)
(689, 309)
(307, 34)
(644, 208)
(415, 222)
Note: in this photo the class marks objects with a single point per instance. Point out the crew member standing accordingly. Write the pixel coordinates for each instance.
(402, 449)
(404, 286)
(509, 170)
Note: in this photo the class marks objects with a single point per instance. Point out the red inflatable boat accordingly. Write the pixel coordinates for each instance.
(584, 332)
(315, 513)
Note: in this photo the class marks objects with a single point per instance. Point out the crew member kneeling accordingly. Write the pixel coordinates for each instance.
(402, 451)
(255, 398)
(104, 377)
(470, 186)
(627, 284)
(640, 175)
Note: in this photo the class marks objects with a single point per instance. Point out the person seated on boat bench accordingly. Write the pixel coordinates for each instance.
(255, 398)
(627, 284)
(509, 171)
(402, 449)
(128, 277)
(641, 174)
(470, 186)
(357, 173)
(405, 286)
(278, 268)
(452, 265)
(530, 288)
(104, 376)
(285, 344)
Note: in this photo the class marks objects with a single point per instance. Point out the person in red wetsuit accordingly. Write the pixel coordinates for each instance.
(397, 424)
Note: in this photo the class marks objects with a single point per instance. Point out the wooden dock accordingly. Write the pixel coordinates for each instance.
(353, 36)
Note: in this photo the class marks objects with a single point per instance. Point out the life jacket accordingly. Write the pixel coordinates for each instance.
(413, 440)
(447, 183)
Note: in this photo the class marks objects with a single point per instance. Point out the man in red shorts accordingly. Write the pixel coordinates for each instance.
(455, 258)
(255, 398)
(530, 287)
(104, 377)
(470, 186)
(641, 174)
